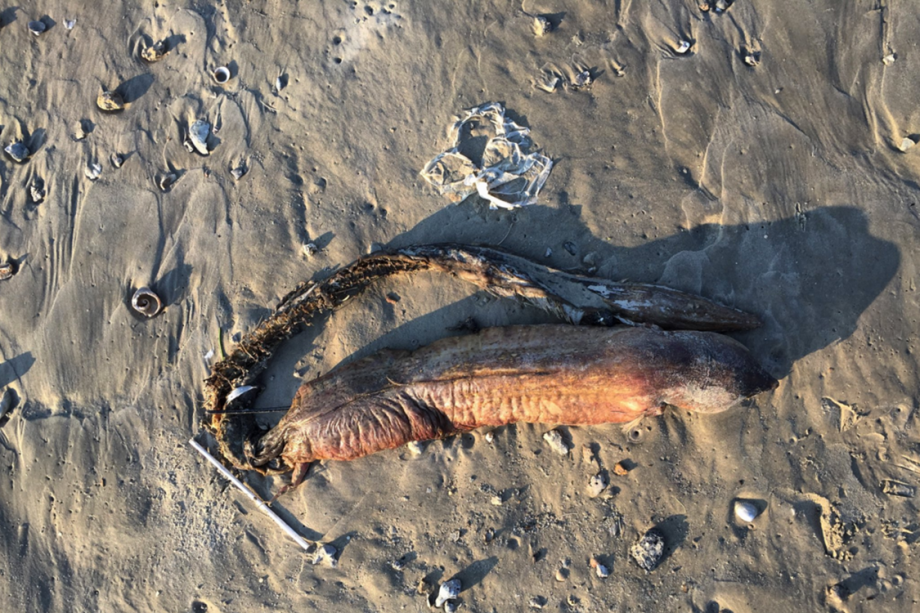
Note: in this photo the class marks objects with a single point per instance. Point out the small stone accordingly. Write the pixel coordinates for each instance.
(496, 501)
(110, 101)
(570, 247)
(309, 250)
(599, 569)
(597, 484)
(17, 151)
(907, 143)
(325, 554)
(745, 511)
(37, 191)
(548, 252)
(620, 468)
(449, 590)
(554, 439)
(92, 171)
(649, 551)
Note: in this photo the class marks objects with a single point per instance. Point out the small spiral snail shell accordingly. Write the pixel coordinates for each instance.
(146, 302)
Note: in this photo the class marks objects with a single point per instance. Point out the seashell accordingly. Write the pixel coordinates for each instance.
(490, 437)
(7, 270)
(166, 181)
(69, 24)
(745, 511)
(682, 47)
(37, 191)
(752, 58)
(415, 448)
(117, 160)
(450, 606)
(599, 569)
(649, 551)
(37, 27)
(92, 171)
(582, 79)
(238, 172)
(449, 590)
(907, 143)
(597, 484)
(537, 602)
(325, 554)
(155, 52)
(197, 139)
(18, 151)
(281, 82)
(541, 26)
(554, 439)
(7, 402)
(889, 59)
(241, 396)
(110, 101)
(548, 83)
(310, 249)
(221, 74)
(146, 302)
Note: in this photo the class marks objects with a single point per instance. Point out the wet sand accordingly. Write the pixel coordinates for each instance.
(779, 188)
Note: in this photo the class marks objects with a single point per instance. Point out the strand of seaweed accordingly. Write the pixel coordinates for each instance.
(573, 298)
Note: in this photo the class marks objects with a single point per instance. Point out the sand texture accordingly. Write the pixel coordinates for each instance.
(779, 188)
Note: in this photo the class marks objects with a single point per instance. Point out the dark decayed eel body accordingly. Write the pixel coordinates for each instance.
(553, 374)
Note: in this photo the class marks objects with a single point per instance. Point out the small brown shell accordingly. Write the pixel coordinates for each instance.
(110, 101)
(146, 302)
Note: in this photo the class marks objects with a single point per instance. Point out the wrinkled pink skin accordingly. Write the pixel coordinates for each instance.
(553, 374)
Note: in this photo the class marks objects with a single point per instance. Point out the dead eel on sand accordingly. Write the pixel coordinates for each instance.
(553, 373)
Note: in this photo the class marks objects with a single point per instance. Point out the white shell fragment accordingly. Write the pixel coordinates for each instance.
(541, 26)
(682, 47)
(325, 554)
(597, 484)
(7, 270)
(554, 439)
(17, 151)
(238, 172)
(450, 606)
(69, 24)
(889, 59)
(745, 511)
(146, 302)
(752, 58)
(92, 171)
(415, 448)
(599, 569)
(309, 249)
(37, 27)
(117, 160)
(449, 590)
(239, 393)
(197, 139)
(907, 143)
(510, 172)
(221, 74)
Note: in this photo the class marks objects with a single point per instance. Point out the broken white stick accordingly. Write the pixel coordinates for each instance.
(250, 494)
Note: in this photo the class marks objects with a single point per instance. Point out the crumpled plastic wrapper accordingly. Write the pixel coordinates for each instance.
(509, 174)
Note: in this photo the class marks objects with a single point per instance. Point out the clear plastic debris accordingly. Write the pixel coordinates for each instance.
(491, 156)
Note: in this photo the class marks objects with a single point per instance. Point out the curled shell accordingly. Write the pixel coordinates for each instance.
(7, 270)
(37, 27)
(197, 139)
(221, 74)
(17, 151)
(110, 101)
(155, 52)
(146, 302)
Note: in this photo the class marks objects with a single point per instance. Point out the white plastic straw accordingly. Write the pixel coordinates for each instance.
(250, 494)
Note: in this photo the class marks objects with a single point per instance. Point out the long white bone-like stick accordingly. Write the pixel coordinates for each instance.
(250, 494)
